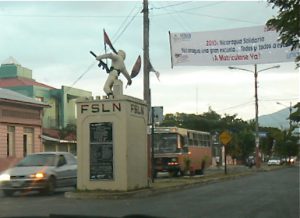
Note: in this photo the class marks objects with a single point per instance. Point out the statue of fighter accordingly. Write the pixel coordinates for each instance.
(117, 67)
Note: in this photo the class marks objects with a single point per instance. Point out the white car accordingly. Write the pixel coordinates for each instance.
(40, 171)
(274, 161)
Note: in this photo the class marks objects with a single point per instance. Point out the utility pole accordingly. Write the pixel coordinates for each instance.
(257, 157)
(147, 93)
(290, 117)
(146, 55)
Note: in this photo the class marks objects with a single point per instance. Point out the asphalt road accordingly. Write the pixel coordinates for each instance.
(273, 194)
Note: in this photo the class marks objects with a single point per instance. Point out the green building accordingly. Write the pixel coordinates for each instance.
(62, 112)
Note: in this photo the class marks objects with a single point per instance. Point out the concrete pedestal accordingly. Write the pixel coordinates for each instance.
(112, 143)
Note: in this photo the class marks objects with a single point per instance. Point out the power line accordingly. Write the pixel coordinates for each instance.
(120, 34)
(281, 99)
(220, 18)
(80, 77)
(60, 16)
(236, 106)
(126, 26)
(124, 22)
(188, 11)
(177, 18)
(168, 6)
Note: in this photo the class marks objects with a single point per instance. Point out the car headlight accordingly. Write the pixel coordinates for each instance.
(4, 177)
(38, 175)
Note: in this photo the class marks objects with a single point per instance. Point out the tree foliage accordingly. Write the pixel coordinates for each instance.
(70, 129)
(287, 22)
(295, 117)
(287, 146)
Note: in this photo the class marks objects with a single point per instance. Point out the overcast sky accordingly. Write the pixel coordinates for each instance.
(54, 39)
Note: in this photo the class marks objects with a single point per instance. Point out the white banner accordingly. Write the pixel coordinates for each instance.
(250, 45)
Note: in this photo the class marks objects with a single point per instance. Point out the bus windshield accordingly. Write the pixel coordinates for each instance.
(165, 143)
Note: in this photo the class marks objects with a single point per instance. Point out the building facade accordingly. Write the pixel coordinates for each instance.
(62, 110)
(20, 126)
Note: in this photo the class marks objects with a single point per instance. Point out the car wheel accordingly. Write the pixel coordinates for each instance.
(50, 186)
(173, 173)
(181, 173)
(8, 193)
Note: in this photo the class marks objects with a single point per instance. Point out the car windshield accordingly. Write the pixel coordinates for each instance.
(38, 160)
(165, 142)
(274, 158)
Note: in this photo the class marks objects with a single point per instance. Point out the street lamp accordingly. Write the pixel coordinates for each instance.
(257, 161)
(290, 109)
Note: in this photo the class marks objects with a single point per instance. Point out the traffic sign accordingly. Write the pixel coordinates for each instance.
(225, 137)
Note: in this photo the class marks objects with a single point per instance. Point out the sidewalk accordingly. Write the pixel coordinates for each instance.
(166, 184)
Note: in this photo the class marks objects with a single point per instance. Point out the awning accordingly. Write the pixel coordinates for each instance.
(48, 138)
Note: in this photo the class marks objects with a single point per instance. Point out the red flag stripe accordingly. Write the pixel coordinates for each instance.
(108, 42)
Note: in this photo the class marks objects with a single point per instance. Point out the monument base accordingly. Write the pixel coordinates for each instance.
(112, 143)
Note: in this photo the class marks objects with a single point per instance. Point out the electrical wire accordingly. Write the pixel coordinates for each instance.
(174, 18)
(188, 11)
(125, 27)
(168, 6)
(124, 22)
(60, 16)
(80, 77)
(236, 106)
(120, 34)
(281, 99)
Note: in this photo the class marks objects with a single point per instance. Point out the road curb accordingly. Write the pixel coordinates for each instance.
(155, 189)
(167, 185)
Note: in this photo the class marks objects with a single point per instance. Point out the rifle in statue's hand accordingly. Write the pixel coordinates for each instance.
(101, 63)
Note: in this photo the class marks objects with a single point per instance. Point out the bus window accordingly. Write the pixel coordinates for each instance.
(182, 141)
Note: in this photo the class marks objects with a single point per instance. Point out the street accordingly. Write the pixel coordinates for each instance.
(273, 194)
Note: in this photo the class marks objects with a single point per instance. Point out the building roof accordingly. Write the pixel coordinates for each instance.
(21, 81)
(8, 95)
(11, 60)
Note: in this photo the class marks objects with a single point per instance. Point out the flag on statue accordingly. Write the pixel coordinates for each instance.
(136, 67)
(108, 42)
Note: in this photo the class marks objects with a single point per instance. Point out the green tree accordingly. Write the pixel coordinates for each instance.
(69, 130)
(245, 144)
(169, 120)
(267, 143)
(295, 117)
(287, 146)
(287, 22)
